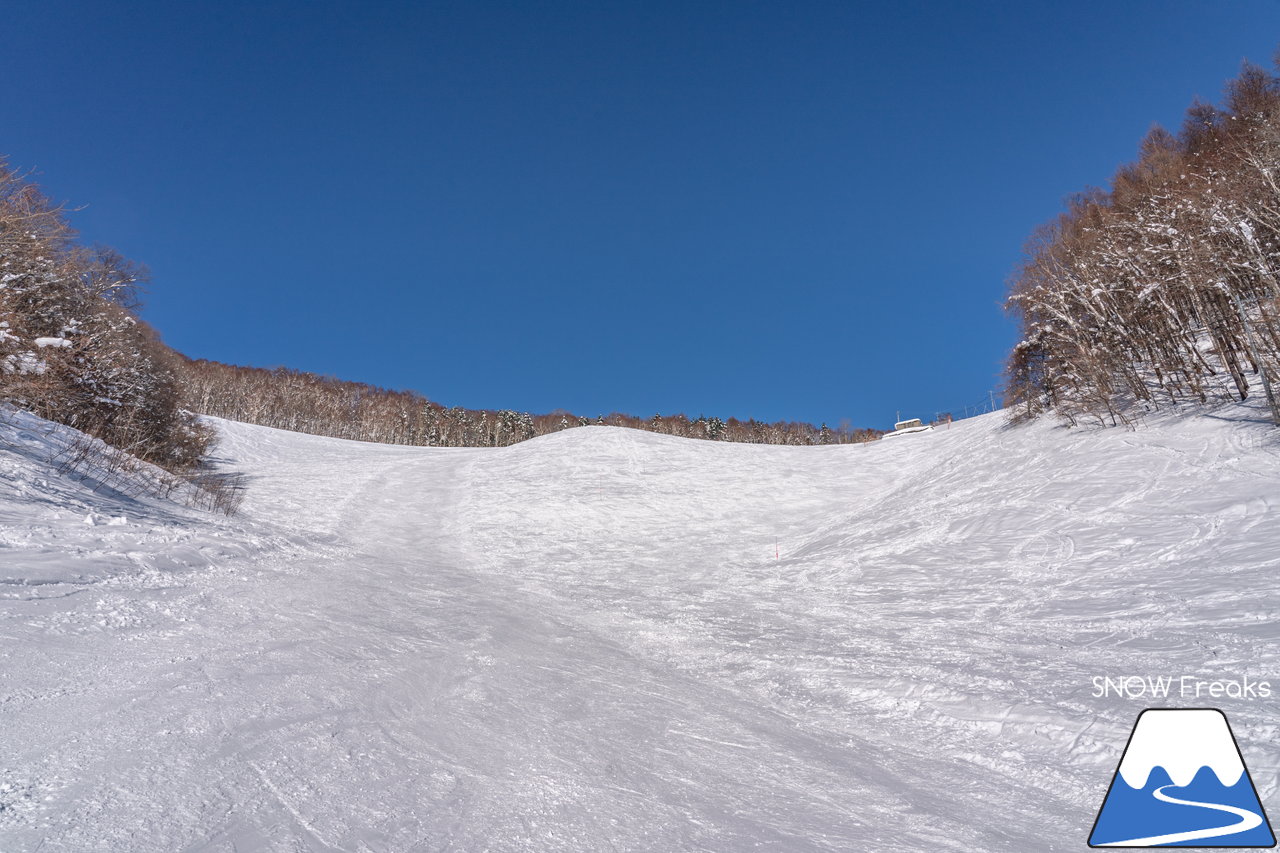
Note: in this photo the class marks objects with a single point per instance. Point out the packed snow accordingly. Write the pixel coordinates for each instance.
(607, 639)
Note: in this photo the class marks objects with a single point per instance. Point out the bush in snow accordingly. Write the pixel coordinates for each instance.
(71, 348)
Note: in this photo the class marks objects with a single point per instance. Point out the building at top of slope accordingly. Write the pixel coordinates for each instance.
(908, 427)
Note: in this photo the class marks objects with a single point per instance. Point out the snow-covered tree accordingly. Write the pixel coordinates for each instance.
(1165, 288)
(71, 349)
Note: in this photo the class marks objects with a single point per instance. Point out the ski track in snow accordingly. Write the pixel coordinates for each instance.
(584, 642)
(1247, 821)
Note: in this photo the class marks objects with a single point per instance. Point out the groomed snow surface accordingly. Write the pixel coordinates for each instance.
(585, 642)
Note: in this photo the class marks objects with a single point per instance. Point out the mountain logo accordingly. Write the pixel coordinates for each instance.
(1182, 783)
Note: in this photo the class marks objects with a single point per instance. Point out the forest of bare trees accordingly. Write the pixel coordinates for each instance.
(305, 402)
(1164, 289)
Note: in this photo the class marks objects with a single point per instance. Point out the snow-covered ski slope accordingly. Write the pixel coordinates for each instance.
(585, 642)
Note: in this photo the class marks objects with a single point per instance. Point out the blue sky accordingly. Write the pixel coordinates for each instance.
(792, 210)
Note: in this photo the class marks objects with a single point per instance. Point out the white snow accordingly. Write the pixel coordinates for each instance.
(585, 642)
(897, 431)
(1181, 742)
(23, 363)
(57, 343)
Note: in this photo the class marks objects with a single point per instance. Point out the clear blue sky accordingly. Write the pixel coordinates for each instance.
(791, 210)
